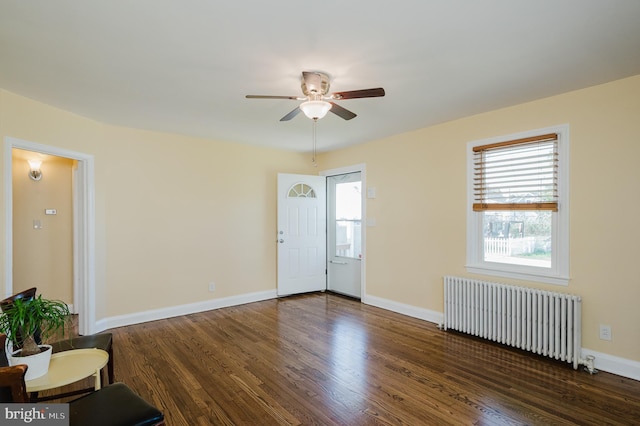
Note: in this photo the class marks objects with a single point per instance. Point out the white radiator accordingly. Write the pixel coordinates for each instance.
(543, 322)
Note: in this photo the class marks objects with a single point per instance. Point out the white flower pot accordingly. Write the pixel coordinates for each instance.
(38, 363)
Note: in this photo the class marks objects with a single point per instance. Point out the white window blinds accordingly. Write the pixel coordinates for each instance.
(520, 174)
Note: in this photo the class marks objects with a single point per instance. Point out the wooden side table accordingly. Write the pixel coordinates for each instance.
(68, 367)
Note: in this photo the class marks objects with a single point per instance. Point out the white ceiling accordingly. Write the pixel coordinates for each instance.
(184, 66)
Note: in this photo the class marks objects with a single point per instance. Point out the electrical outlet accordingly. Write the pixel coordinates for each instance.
(212, 286)
(605, 332)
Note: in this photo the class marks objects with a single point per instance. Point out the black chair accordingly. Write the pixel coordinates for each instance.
(113, 405)
(102, 341)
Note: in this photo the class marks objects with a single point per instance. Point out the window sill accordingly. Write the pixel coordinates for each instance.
(526, 275)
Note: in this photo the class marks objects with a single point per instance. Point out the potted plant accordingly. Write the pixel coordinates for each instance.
(25, 322)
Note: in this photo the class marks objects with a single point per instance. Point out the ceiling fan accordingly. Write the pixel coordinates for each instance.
(318, 102)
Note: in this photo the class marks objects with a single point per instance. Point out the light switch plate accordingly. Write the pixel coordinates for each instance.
(371, 192)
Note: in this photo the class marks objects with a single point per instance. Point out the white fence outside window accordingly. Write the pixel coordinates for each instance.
(509, 246)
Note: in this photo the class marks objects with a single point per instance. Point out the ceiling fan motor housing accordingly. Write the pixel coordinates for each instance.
(315, 84)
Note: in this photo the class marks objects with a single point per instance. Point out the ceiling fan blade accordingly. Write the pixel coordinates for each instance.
(291, 114)
(354, 94)
(297, 98)
(341, 112)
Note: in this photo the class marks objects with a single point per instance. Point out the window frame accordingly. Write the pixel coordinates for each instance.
(559, 271)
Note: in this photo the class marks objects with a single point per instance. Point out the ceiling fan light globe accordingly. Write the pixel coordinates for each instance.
(315, 109)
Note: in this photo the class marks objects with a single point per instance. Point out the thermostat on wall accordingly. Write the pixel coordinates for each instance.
(50, 211)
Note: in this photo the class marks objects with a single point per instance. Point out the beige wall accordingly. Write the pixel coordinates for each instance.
(420, 179)
(43, 258)
(172, 213)
(185, 212)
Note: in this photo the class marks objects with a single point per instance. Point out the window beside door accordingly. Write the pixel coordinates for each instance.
(348, 220)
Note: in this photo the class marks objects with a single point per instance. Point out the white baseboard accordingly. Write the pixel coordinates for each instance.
(603, 362)
(613, 364)
(401, 308)
(175, 311)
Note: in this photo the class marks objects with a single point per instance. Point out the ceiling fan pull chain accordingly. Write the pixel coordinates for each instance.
(313, 159)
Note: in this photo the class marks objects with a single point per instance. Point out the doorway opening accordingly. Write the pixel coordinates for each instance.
(303, 264)
(344, 233)
(83, 226)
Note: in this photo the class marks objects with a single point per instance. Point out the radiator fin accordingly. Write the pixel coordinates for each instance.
(544, 322)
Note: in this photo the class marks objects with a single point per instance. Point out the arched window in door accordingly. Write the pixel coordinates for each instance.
(301, 190)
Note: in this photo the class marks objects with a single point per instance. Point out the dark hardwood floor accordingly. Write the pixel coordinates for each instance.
(328, 360)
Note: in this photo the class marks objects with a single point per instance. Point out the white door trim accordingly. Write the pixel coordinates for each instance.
(84, 227)
(362, 168)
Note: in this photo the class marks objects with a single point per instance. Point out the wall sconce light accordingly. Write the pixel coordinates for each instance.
(35, 173)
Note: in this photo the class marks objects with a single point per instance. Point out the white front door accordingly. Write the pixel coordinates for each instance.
(301, 234)
(344, 210)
